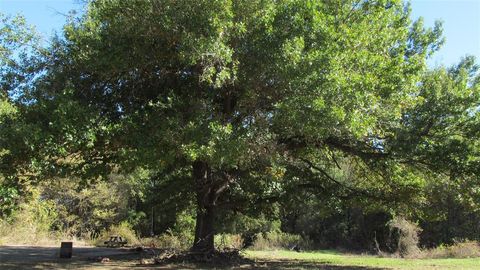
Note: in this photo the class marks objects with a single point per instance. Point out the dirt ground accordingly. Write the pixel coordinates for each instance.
(29, 257)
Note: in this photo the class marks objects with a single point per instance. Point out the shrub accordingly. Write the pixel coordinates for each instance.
(228, 241)
(31, 223)
(123, 229)
(179, 236)
(279, 240)
(183, 230)
(467, 249)
(83, 208)
(167, 240)
(8, 199)
(173, 240)
(407, 233)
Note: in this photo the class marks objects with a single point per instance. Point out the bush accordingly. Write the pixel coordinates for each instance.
(31, 223)
(228, 241)
(172, 240)
(123, 229)
(467, 249)
(179, 236)
(182, 230)
(279, 240)
(90, 208)
(407, 233)
(167, 240)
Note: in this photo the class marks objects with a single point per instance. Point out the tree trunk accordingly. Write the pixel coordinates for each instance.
(204, 231)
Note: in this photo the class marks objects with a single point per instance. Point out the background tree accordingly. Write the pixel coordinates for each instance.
(17, 44)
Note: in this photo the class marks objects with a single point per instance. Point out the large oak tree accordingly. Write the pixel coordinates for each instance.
(239, 101)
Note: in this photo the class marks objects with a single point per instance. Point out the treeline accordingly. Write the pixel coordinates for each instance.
(70, 208)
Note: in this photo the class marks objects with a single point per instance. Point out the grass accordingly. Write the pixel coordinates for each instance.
(338, 259)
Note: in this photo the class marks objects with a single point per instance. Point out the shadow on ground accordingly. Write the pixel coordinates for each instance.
(297, 264)
(27, 257)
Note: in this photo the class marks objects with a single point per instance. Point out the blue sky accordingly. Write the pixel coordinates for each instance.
(461, 21)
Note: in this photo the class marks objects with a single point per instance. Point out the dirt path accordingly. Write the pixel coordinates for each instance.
(28, 257)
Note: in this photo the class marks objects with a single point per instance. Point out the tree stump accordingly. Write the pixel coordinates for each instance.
(66, 250)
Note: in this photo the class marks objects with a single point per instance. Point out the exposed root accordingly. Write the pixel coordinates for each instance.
(230, 257)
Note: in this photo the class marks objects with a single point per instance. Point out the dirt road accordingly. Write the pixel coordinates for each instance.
(27, 257)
